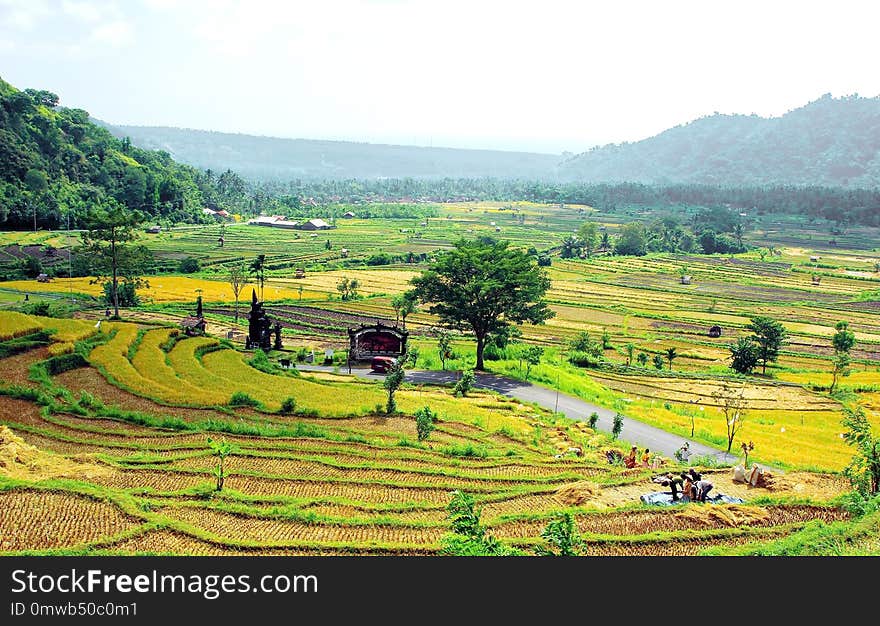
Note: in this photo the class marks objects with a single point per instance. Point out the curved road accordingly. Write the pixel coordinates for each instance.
(635, 432)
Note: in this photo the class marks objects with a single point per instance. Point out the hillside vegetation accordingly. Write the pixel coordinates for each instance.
(54, 160)
(831, 141)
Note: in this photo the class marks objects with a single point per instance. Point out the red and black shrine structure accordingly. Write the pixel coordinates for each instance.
(378, 339)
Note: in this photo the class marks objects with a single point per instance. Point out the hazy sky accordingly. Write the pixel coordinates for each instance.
(544, 75)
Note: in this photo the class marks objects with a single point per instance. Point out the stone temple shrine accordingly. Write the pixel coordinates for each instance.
(260, 328)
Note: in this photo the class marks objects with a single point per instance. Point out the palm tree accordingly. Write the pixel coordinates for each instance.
(671, 353)
(738, 233)
(258, 267)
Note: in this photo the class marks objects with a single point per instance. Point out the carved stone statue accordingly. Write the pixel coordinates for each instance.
(278, 335)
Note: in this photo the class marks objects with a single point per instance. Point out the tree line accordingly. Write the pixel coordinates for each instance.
(840, 205)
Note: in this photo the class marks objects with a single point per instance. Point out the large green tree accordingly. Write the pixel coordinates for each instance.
(588, 233)
(109, 231)
(632, 239)
(484, 286)
(744, 355)
(769, 335)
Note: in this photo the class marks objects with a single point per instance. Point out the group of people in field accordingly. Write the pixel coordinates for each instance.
(633, 459)
(689, 486)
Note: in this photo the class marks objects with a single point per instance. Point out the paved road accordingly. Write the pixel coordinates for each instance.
(636, 432)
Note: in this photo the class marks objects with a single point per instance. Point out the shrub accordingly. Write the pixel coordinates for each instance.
(88, 401)
(562, 537)
(467, 450)
(584, 359)
(59, 364)
(464, 516)
(582, 343)
(189, 265)
(404, 442)
(617, 425)
(593, 420)
(465, 383)
(382, 258)
(706, 460)
(240, 398)
(39, 308)
(288, 405)
(425, 419)
(261, 362)
(494, 353)
(469, 537)
(31, 266)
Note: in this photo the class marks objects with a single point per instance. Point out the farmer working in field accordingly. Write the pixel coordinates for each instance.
(673, 482)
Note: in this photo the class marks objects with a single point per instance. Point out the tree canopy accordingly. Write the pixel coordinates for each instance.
(484, 286)
(632, 239)
(769, 335)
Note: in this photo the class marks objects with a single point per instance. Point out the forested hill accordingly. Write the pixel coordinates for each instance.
(273, 158)
(831, 141)
(54, 160)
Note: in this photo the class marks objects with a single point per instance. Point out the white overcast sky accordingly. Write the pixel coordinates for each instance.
(542, 75)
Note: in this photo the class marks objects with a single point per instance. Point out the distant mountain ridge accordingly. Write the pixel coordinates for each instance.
(274, 158)
(830, 141)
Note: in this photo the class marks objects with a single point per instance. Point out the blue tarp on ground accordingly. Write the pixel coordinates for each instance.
(664, 498)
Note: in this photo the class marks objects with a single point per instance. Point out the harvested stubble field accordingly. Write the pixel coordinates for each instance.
(117, 479)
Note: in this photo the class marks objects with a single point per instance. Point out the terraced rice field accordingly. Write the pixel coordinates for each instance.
(346, 485)
(338, 477)
(641, 301)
